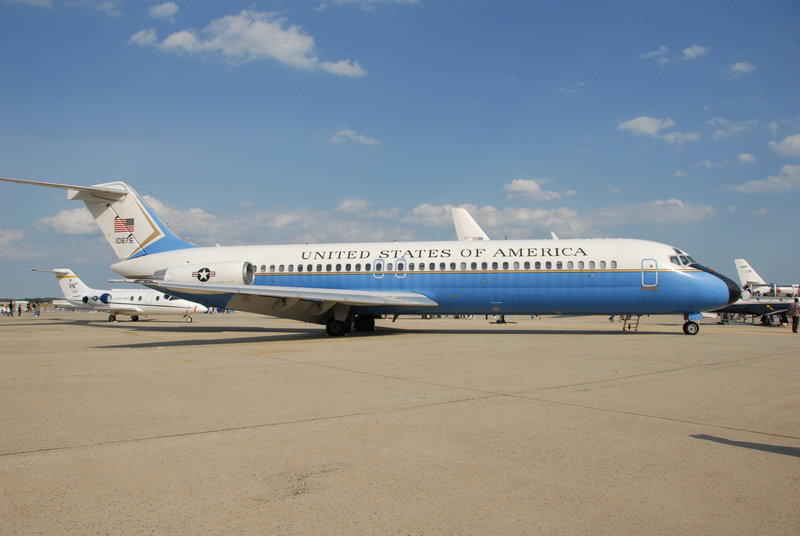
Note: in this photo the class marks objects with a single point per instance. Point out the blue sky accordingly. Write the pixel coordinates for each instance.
(360, 120)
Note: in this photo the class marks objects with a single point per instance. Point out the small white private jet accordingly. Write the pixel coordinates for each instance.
(756, 285)
(349, 285)
(129, 302)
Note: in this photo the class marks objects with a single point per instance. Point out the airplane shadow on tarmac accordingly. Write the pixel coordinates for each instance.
(313, 331)
(775, 449)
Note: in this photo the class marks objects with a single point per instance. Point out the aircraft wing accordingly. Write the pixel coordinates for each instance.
(744, 307)
(300, 303)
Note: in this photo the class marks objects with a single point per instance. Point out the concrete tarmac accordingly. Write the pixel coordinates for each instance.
(242, 424)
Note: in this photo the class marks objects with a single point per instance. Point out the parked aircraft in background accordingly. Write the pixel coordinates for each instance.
(116, 301)
(466, 227)
(350, 284)
(756, 285)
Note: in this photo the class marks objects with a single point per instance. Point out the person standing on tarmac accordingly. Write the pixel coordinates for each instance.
(794, 312)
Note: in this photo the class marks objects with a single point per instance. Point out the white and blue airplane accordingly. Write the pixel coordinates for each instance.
(348, 285)
(131, 302)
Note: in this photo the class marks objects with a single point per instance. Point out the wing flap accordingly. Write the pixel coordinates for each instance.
(321, 295)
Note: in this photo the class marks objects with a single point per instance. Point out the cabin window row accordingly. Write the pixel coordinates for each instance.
(401, 266)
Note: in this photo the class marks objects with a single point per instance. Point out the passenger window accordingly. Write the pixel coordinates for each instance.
(368, 267)
(602, 265)
(319, 267)
(388, 266)
(559, 265)
(358, 267)
(291, 268)
(538, 265)
(580, 265)
(442, 266)
(453, 266)
(527, 265)
(474, 265)
(338, 267)
(347, 267)
(591, 265)
(484, 266)
(328, 267)
(505, 266)
(411, 267)
(463, 266)
(570, 265)
(548, 265)
(263, 267)
(280, 268)
(272, 268)
(613, 264)
(494, 266)
(299, 268)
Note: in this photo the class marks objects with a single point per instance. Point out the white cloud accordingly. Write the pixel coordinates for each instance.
(694, 52)
(350, 135)
(529, 189)
(680, 174)
(573, 88)
(652, 126)
(250, 36)
(787, 180)
(727, 128)
(167, 10)
(740, 68)
(193, 223)
(746, 158)
(9, 236)
(144, 37)
(343, 68)
(790, 146)
(659, 55)
(646, 125)
(709, 164)
(77, 221)
(352, 206)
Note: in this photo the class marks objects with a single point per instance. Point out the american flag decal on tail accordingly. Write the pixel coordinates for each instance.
(123, 225)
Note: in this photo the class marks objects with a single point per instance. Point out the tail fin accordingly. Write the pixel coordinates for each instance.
(747, 276)
(129, 225)
(71, 286)
(466, 227)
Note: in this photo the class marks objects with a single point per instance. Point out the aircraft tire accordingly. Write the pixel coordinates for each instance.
(691, 328)
(189, 319)
(112, 318)
(337, 328)
(134, 318)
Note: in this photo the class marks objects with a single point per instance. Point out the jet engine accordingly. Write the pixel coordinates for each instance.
(224, 273)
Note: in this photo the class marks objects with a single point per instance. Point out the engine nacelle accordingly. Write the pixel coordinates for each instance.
(224, 273)
(105, 297)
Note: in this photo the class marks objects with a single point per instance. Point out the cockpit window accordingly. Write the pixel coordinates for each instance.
(686, 260)
(674, 260)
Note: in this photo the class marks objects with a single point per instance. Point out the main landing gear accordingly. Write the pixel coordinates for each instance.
(340, 328)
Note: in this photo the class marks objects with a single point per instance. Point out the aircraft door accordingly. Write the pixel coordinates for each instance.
(400, 268)
(649, 274)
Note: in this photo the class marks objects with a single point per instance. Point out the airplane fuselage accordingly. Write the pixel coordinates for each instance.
(586, 276)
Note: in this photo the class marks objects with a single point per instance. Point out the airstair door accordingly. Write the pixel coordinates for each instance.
(649, 274)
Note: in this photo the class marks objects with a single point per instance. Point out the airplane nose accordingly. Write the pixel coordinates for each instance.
(734, 291)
